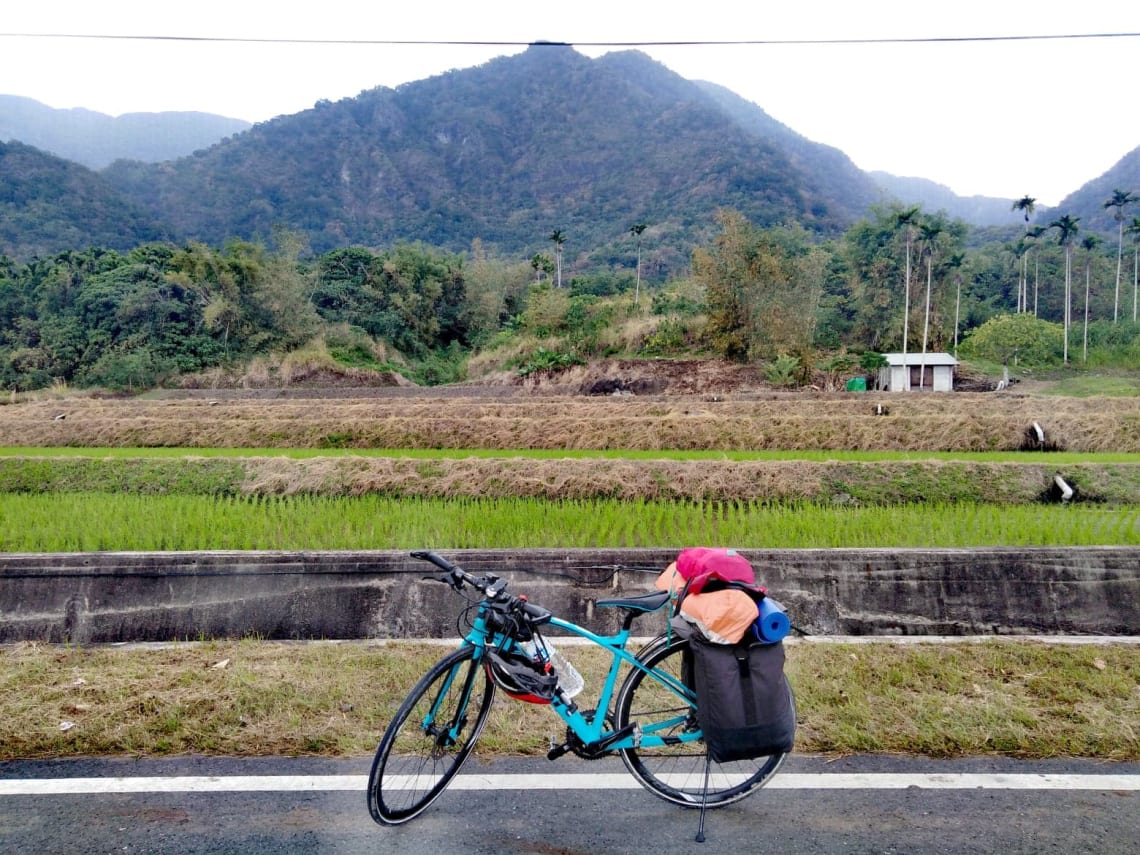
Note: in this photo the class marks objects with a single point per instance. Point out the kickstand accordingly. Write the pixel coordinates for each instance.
(704, 799)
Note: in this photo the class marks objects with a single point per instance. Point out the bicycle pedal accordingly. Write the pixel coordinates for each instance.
(556, 751)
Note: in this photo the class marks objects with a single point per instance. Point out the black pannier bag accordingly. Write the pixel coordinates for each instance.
(744, 703)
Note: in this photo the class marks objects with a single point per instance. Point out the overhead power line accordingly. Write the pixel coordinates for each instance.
(626, 44)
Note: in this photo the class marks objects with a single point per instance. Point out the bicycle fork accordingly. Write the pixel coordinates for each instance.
(446, 736)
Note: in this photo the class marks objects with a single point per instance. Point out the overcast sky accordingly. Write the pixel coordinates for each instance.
(1001, 118)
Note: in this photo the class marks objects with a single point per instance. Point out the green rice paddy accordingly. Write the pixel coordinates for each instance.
(82, 522)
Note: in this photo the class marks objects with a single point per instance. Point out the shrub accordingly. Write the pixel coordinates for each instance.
(669, 338)
(782, 371)
(547, 360)
(1017, 339)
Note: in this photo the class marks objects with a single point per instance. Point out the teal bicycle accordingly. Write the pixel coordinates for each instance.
(651, 721)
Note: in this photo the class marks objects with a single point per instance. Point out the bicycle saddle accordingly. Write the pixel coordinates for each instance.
(641, 603)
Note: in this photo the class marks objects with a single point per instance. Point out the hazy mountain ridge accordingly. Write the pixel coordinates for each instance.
(1088, 200)
(95, 140)
(932, 196)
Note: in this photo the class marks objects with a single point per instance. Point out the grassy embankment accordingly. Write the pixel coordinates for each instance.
(1020, 699)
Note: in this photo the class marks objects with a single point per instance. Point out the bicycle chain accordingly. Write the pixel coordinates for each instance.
(578, 747)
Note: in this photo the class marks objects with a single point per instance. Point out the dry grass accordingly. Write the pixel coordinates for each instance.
(1023, 699)
(959, 422)
(746, 480)
(873, 482)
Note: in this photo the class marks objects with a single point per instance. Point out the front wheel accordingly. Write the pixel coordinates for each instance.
(676, 772)
(433, 732)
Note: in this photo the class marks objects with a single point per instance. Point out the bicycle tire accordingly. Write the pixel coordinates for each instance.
(416, 759)
(676, 773)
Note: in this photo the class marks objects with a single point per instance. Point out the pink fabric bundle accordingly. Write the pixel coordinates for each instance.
(721, 615)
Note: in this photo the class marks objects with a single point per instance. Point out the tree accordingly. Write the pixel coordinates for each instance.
(1120, 199)
(1134, 230)
(1034, 235)
(929, 231)
(541, 264)
(1089, 244)
(496, 290)
(955, 263)
(1005, 338)
(762, 289)
(1027, 205)
(1067, 228)
(636, 229)
(558, 238)
(1019, 256)
(906, 220)
(871, 267)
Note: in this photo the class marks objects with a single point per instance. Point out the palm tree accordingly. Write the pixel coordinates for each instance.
(928, 234)
(1120, 198)
(906, 220)
(1089, 244)
(1068, 228)
(955, 263)
(1019, 253)
(1027, 205)
(636, 229)
(1033, 235)
(559, 238)
(1134, 230)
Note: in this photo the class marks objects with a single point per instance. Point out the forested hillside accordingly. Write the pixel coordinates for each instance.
(504, 153)
(809, 312)
(48, 204)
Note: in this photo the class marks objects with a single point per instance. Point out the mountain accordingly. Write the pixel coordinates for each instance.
(96, 139)
(48, 204)
(507, 152)
(851, 188)
(976, 210)
(1088, 202)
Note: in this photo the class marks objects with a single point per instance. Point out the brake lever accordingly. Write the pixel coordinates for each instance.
(446, 578)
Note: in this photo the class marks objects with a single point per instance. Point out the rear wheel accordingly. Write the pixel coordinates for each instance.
(676, 772)
(432, 734)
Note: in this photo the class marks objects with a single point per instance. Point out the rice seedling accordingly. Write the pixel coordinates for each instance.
(80, 522)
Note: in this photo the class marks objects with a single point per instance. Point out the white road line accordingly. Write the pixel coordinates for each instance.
(603, 781)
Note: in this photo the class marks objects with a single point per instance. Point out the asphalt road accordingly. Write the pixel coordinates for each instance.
(850, 805)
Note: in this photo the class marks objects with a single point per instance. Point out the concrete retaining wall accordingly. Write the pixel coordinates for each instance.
(115, 597)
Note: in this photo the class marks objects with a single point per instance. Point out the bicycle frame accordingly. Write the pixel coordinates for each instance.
(654, 732)
(592, 731)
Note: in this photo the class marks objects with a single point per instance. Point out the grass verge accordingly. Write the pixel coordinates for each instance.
(249, 698)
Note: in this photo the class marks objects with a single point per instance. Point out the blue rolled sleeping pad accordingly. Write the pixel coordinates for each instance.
(772, 624)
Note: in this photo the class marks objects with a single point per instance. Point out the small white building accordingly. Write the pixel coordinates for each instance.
(930, 372)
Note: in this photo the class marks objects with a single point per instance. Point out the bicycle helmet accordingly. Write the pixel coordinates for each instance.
(520, 677)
